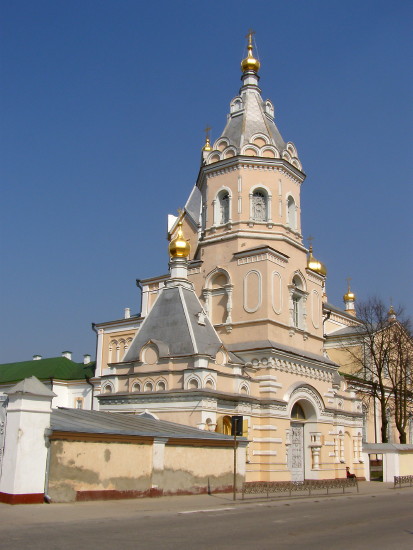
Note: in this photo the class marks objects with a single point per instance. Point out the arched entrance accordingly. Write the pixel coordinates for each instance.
(301, 450)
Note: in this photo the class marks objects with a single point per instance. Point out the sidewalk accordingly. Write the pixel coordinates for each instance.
(112, 509)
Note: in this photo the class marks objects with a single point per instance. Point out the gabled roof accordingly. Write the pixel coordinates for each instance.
(177, 325)
(99, 422)
(59, 368)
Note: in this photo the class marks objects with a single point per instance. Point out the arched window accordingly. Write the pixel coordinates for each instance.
(113, 356)
(136, 387)
(244, 389)
(193, 384)
(259, 207)
(223, 216)
(222, 207)
(297, 296)
(219, 299)
(148, 386)
(291, 213)
(161, 386)
(209, 384)
(107, 389)
(297, 412)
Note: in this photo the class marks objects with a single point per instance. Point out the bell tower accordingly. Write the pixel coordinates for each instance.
(249, 263)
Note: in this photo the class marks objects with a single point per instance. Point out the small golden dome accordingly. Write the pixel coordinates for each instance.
(392, 314)
(349, 296)
(315, 265)
(179, 247)
(207, 146)
(250, 63)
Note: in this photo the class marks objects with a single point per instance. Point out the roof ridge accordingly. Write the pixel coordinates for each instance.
(188, 320)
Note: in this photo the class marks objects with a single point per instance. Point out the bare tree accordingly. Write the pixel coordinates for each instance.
(380, 350)
(400, 375)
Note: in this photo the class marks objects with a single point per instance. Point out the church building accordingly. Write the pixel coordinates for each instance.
(237, 327)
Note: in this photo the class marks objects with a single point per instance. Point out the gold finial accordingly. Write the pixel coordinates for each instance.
(349, 296)
(179, 247)
(391, 313)
(250, 63)
(207, 146)
(314, 264)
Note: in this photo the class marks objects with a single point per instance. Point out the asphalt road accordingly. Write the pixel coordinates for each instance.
(379, 522)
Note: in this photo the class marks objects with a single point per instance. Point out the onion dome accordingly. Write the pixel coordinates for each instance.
(349, 299)
(349, 296)
(250, 63)
(179, 247)
(392, 314)
(207, 146)
(315, 265)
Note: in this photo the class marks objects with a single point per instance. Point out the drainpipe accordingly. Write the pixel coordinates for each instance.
(93, 389)
(47, 433)
(326, 318)
(375, 419)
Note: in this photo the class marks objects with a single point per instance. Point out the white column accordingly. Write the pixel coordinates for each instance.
(315, 444)
(229, 288)
(158, 458)
(206, 294)
(25, 452)
(99, 353)
(269, 213)
(342, 456)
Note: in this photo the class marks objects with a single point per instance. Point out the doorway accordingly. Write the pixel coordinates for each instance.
(297, 465)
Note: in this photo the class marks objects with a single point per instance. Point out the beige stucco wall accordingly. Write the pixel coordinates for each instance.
(406, 463)
(95, 466)
(198, 467)
(91, 468)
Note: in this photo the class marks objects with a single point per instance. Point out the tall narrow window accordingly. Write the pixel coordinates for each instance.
(292, 213)
(224, 208)
(297, 295)
(259, 206)
(296, 308)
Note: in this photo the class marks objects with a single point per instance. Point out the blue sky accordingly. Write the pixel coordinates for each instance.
(103, 108)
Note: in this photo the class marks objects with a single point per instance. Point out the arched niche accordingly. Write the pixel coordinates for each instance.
(150, 354)
(217, 294)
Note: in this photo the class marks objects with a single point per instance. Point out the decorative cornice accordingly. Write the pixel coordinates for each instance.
(252, 163)
(276, 259)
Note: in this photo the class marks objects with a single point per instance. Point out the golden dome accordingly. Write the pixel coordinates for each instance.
(207, 146)
(250, 63)
(179, 247)
(349, 296)
(392, 314)
(315, 265)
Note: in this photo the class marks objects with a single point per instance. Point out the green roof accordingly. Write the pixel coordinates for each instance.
(59, 368)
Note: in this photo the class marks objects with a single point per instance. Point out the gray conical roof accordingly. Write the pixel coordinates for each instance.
(252, 116)
(177, 325)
